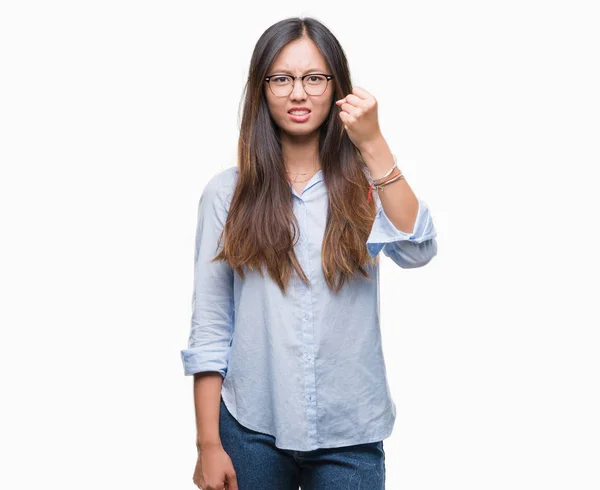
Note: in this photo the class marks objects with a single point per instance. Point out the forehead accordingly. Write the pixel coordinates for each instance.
(300, 56)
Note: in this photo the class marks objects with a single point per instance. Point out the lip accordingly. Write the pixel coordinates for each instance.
(302, 118)
(299, 109)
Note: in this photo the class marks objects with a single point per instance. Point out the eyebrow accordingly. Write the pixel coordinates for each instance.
(310, 70)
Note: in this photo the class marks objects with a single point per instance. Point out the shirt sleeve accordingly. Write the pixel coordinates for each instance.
(211, 329)
(408, 250)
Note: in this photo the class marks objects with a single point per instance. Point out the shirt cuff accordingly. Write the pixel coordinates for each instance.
(202, 359)
(385, 234)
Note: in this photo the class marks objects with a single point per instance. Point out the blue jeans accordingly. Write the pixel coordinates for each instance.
(259, 464)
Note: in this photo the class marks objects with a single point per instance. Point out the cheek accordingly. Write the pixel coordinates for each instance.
(325, 107)
(275, 105)
(277, 108)
(322, 111)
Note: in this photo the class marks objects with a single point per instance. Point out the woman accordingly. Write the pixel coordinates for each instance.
(290, 383)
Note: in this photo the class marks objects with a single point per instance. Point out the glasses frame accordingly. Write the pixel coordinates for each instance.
(268, 80)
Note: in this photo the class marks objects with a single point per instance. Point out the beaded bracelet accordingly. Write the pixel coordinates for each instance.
(377, 181)
(382, 182)
(393, 179)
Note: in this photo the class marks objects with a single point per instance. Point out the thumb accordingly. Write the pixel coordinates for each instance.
(231, 481)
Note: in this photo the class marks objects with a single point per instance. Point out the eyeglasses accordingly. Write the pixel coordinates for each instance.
(283, 85)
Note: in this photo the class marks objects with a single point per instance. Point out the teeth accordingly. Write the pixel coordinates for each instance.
(299, 112)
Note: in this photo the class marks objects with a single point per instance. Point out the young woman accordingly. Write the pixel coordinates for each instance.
(290, 383)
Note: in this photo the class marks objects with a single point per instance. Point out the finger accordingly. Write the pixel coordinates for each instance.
(351, 109)
(356, 101)
(346, 119)
(361, 92)
(232, 483)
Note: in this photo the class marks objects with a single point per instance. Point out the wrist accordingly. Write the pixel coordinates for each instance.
(374, 146)
(203, 444)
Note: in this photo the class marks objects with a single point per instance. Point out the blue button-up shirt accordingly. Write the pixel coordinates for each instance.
(307, 368)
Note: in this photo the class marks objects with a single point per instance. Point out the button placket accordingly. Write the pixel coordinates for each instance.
(307, 327)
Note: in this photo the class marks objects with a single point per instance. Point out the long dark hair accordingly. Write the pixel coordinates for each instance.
(258, 231)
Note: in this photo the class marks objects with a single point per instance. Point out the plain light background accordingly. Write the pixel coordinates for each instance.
(114, 115)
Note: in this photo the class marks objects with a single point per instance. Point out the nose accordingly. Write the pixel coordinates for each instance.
(298, 92)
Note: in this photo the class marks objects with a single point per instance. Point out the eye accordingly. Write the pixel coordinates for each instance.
(280, 80)
(316, 80)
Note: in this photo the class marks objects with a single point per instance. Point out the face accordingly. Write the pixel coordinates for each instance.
(298, 58)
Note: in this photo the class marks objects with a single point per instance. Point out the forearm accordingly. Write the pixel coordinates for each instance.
(207, 403)
(397, 198)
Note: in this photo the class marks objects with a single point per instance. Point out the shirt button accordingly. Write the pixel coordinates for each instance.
(308, 357)
(306, 316)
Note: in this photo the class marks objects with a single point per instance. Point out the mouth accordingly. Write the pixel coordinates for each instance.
(299, 115)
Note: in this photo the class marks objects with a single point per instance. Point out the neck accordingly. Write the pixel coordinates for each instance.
(301, 153)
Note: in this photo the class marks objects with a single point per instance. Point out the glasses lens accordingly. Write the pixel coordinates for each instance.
(315, 84)
(281, 85)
